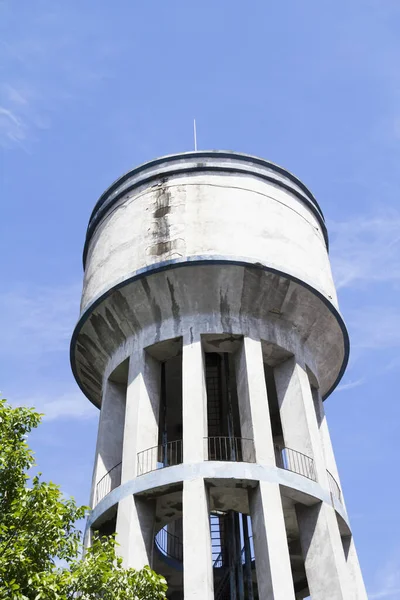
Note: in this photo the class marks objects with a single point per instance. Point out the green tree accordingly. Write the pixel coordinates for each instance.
(39, 531)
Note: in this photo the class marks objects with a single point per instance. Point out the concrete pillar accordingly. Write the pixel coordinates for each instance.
(298, 418)
(135, 531)
(353, 565)
(194, 402)
(255, 421)
(274, 574)
(142, 415)
(356, 579)
(135, 518)
(109, 441)
(322, 548)
(197, 557)
(325, 437)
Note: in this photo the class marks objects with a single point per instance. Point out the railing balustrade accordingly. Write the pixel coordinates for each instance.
(334, 486)
(230, 449)
(169, 544)
(158, 457)
(108, 482)
(297, 462)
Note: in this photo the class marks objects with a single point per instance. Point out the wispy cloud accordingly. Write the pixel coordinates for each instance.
(366, 250)
(35, 320)
(68, 405)
(44, 70)
(350, 385)
(375, 327)
(388, 580)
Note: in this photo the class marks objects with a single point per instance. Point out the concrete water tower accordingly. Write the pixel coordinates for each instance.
(209, 337)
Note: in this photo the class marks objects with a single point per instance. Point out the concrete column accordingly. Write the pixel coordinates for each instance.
(325, 437)
(142, 415)
(197, 557)
(356, 579)
(322, 548)
(135, 531)
(274, 574)
(109, 441)
(135, 518)
(353, 565)
(298, 418)
(194, 402)
(255, 421)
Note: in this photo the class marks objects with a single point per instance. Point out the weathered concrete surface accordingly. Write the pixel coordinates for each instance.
(274, 575)
(135, 531)
(255, 419)
(224, 298)
(326, 569)
(298, 417)
(197, 562)
(190, 249)
(194, 403)
(142, 413)
(109, 437)
(201, 213)
(357, 585)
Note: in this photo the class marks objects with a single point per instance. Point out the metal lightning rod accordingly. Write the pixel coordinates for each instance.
(195, 135)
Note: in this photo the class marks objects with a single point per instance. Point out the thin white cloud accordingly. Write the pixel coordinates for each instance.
(68, 405)
(388, 580)
(374, 327)
(366, 250)
(36, 320)
(350, 385)
(44, 70)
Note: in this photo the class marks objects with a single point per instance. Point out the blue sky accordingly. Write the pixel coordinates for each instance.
(91, 89)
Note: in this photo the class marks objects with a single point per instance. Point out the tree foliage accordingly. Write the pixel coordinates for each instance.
(39, 531)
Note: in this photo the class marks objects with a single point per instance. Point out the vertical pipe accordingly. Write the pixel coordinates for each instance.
(232, 556)
(164, 416)
(229, 415)
(239, 566)
(247, 558)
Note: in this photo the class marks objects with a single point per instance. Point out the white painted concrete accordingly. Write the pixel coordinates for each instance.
(194, 402)
(109, 437)
(298, 418)
(197, 563)
(357, 585)
(274, 575)
(275, 228)
(255, 419)
(253, 263)
(142, 413)
(326, 570)
(135, 531)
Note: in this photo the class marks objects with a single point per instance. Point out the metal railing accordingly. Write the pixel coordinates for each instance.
(108, 482)
(295, 461)
(158, 457)
(169, 544)
(230, 449)
(334, 486)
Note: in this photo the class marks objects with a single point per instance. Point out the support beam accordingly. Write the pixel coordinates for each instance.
(274, 574)
(356, 579)
(194, 402)
(142, 414)
(255, 421)
(135, 517)
(197, 556)
(109, 440)
(323, 552)
(298, 418)
(135, 531)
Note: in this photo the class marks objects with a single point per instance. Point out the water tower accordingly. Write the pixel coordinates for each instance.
(209, 337)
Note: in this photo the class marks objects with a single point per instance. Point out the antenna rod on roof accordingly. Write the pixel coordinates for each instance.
(195, 135)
